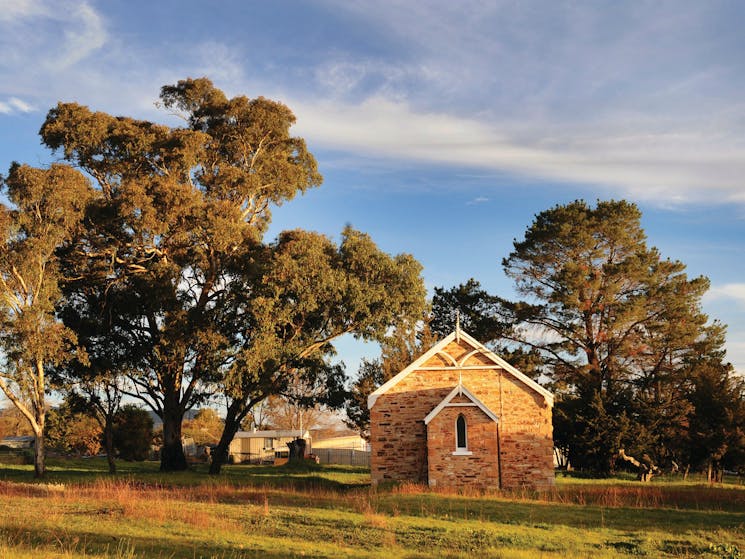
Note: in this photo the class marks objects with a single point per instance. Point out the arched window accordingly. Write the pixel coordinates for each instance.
(461, 440)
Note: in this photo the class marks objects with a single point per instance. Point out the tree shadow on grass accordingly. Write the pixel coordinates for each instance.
(559, 514)
(304, 477)
(86, 542)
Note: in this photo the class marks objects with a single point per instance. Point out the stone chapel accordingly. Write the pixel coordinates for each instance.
(460, 416)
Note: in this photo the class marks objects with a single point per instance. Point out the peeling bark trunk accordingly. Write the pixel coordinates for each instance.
(39, 464)
(645, 469)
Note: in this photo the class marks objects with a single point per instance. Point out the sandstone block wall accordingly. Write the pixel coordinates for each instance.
(398, 436)
(480, 469)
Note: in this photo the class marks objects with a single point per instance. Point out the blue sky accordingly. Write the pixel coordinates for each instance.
(441, 128)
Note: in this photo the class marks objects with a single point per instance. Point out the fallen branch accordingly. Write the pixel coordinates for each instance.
(646, 469)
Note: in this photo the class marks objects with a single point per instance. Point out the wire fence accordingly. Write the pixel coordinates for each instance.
(343, 456)
(254, 457)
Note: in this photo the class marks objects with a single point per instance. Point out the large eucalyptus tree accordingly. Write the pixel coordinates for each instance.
(181, 216)
(311, 292)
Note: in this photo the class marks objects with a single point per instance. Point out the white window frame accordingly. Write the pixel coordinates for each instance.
(461, 450)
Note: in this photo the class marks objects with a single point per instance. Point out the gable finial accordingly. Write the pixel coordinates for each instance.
(457, 325)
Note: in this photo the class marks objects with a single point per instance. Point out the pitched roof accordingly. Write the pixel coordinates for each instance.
(478, 348)
(459, 390)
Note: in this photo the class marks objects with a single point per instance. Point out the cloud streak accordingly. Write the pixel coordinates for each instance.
(734, 292)
(736, 353)
(85, 35)
(15, 105)
(648, 165)
(729, 299)
(477, 200)
(15, 10)
(44, 36)
(640, 100)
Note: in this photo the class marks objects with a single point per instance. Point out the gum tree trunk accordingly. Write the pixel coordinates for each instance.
(220, 454)
(172, 457)
(108, 443)
(39, 465)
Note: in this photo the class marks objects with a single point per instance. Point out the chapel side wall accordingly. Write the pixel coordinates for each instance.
(526, 437)
(398, 434)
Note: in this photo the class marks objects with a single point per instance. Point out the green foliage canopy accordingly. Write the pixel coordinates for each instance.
(47, 207)
(310, 293)
(178, 225)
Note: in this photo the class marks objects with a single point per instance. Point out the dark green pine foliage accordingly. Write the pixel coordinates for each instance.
(133, 433)
(614, 322)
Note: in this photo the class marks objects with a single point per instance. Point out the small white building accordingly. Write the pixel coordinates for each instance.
(351, 450)
(351, 442)
(18, 443)
(258, 447)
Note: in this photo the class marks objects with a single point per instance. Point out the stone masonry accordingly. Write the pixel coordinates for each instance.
(516, 451)
(446, 468)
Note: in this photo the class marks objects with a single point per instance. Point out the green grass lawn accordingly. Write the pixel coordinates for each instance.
(273, 512)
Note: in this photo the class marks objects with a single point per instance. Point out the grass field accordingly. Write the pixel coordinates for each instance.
(273, 512)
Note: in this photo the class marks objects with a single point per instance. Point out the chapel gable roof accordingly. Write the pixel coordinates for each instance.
(495, 362)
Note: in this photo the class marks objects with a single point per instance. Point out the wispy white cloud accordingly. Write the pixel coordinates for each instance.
(734, 292)
(20, 105)
(221, 62)
(736, 351)
(15, 105)
(642, 100)
(84, 34)
(631, 100)
(45, 45)
(13, 10)
(656, 165)
(477, 200)
(727, 302)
